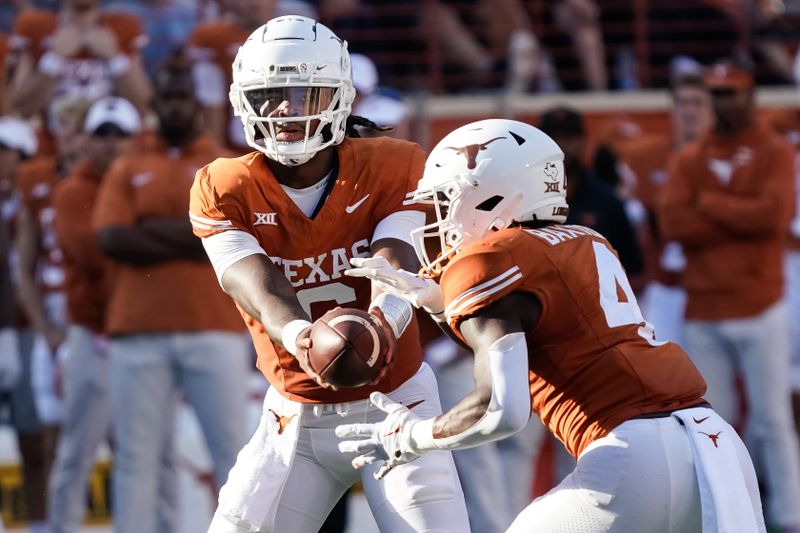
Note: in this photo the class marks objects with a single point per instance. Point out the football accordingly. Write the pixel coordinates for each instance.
(348, 347)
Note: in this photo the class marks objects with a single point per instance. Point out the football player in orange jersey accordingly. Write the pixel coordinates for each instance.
(549, 313)
(280, 225)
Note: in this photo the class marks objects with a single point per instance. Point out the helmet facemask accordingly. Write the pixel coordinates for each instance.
(273, 109)
(435, 243)
(292, 79)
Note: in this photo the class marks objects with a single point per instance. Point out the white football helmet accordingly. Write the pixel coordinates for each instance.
(291, 72)
(482, 177)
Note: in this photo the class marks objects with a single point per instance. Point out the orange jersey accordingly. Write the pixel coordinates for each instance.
(593, 359)
(84, 75)
(36, 181)
(153, 182)
(729, 202)
(87, 269)
(376, 178)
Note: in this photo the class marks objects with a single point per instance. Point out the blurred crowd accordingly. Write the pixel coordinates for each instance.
(474, 45)
(109, 107)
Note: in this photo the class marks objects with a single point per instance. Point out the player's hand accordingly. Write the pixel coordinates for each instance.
(424, 293)
(391, 354)
(303, 346)
(389, 441)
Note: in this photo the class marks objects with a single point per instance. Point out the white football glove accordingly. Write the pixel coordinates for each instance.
(420, 292)
(389, 440)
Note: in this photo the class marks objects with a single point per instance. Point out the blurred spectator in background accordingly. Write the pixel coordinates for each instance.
(473, 40)
(729, 201)
(78, 52)
(759, 33)
(648, 158)
(580, 18)
(17, 144)
(573, 45)
(382, 106)
(109, 125)
(501, 30)
(171, 327)
(592, 202)
(167, 24)
(787, 123)
(41, 289)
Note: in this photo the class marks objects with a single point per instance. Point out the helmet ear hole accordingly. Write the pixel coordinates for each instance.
(489, 203)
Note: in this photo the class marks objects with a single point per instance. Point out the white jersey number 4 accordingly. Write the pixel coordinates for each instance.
(611, 277)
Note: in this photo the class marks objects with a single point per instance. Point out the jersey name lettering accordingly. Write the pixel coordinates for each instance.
(557, 234)
(322, 268)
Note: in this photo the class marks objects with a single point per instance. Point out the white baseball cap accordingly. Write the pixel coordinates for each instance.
(113, 110)
(365, 75)
(18, 135)
(382, 110)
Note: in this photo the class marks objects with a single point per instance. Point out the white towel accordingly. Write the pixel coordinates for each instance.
(722, 467)
(250, 496)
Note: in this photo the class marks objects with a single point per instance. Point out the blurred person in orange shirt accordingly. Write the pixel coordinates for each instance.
(729, 201)
(109, 125)
(171, 328)
(648, 158)
(18, 144)
(80, 52)
(41, 288)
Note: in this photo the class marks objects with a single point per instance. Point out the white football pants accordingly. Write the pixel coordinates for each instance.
(640, 477)
(424, 495)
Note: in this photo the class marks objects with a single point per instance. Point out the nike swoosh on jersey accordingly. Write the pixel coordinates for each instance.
(696, 421)
(350, 208)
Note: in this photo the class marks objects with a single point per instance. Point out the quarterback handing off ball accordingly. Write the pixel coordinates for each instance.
(348, 347)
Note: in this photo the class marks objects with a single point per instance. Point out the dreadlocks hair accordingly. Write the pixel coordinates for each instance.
(355, 120)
